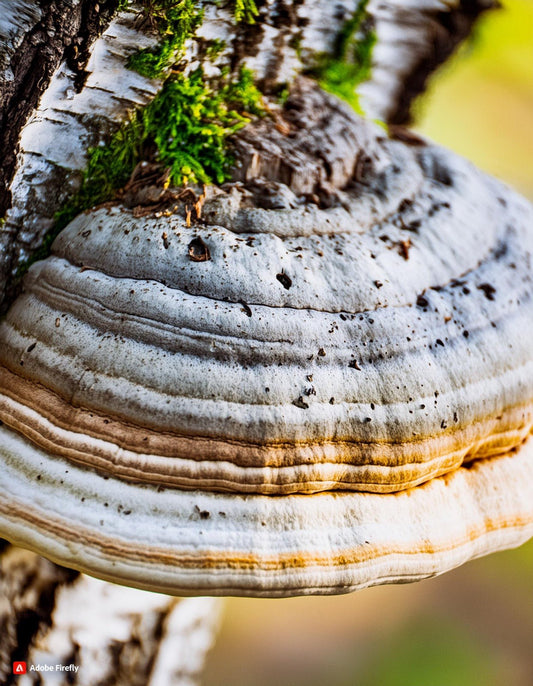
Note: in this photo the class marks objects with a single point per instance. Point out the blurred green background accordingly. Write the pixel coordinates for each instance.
(472, 626)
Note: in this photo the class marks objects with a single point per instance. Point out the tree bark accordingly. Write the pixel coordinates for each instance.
(34, 38)
(113, 635)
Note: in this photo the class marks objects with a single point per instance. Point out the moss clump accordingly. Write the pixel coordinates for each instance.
(214, 48)
(243, 94)
(185, 128)
(350, 62)
(245, 10)
(175, 22)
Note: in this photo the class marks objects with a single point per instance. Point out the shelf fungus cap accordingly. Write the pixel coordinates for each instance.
(278, 401)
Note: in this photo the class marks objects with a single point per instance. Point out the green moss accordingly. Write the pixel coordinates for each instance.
(175, 21)
(282, 93)
(350, 62)
(214, 47)
(245, 10)
(296, 44)
(185, 128)
(243, 93)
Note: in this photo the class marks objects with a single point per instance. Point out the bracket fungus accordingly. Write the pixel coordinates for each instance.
(333, 397)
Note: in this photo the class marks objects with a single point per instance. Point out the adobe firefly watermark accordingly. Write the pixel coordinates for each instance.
(22, 668)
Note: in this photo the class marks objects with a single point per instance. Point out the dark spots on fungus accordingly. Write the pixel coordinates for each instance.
(353, 365)
(439, 342)
(332, 401)
(378, 284)
(488, 290)
(300, 403)
(284, 280)
(166, 243)
(501, 250)
(404, 205)
(414, 225)
(245, 308)
(198, 250)
(204, 514)
(321, 352)
(422, 301)
(466, 333)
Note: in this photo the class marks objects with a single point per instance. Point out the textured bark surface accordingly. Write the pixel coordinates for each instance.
(414, 39)
(78, 109)
(28, 586)
(34, 37)
(116, 636)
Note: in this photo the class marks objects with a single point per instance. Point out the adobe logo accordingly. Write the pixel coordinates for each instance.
(19, 668)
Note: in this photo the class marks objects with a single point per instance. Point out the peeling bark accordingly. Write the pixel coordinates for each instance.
(114, 635)
(34, 37)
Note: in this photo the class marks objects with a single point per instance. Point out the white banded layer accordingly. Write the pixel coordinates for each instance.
(205, 543)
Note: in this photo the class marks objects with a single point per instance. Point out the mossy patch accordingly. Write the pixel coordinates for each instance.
(350, 62)
(245, 10)
(175, 21)
(185, 128)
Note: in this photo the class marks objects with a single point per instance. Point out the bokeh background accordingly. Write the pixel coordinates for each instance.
(474, 625)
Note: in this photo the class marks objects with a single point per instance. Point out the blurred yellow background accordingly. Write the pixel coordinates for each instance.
(481, 103)
(474, 625)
